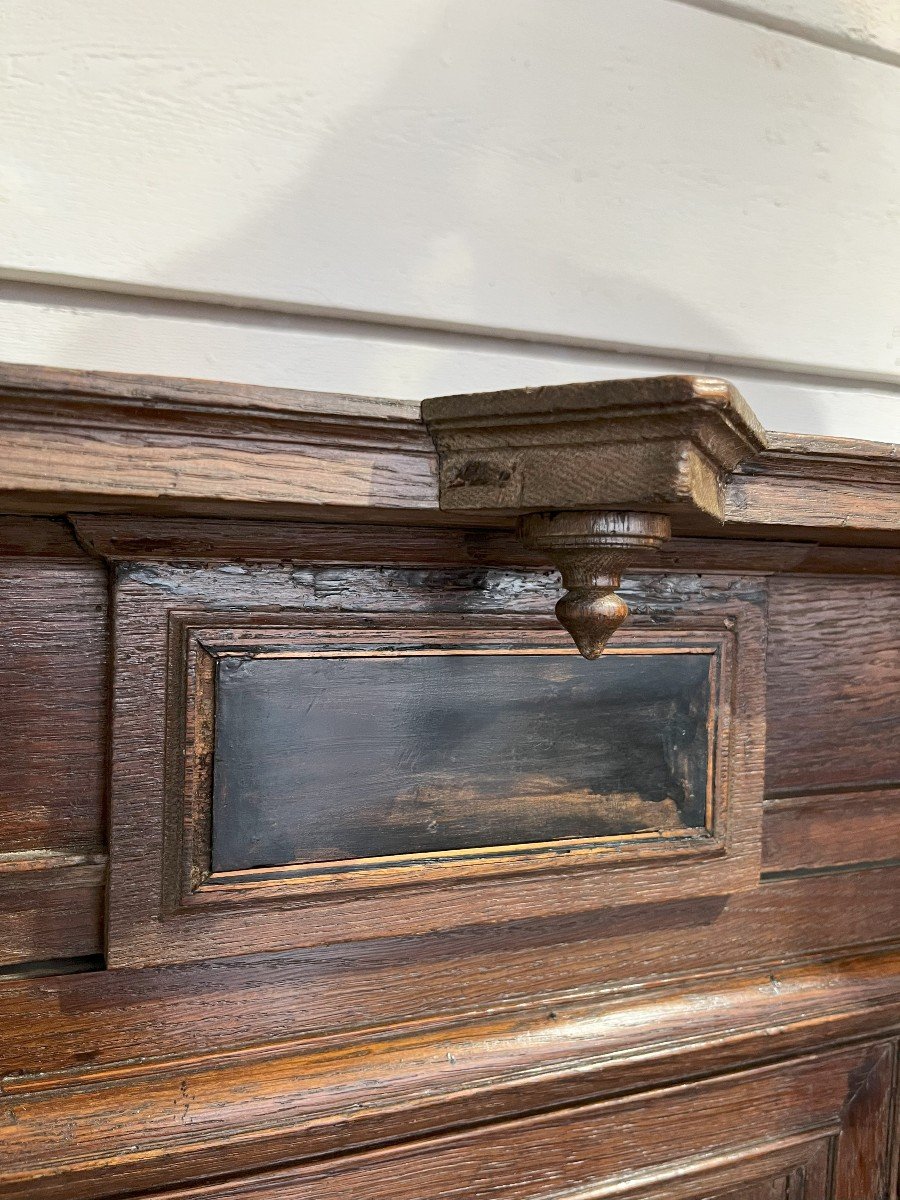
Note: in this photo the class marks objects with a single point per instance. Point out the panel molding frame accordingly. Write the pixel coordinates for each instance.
(190, 735)
(163, 614)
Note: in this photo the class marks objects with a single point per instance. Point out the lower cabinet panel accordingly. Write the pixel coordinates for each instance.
(816, 1130)
(813, 1128)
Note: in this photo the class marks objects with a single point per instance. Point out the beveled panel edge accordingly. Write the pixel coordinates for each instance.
(754, 1163)
(190, 820)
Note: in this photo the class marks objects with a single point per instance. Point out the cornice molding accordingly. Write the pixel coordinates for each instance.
(97, 441)
(171, 406)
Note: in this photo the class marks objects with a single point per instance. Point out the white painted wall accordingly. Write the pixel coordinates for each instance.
(407, 197)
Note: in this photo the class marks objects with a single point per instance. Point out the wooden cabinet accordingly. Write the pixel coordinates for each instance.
(328, 868)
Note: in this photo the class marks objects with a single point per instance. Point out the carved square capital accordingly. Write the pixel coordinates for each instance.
(660, 444)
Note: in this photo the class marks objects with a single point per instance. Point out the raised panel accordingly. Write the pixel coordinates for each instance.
(635, 782)
(816, 832)
(51, 911)
(799, 1125)
(782, 1187)
(52, 704)
(53, 676)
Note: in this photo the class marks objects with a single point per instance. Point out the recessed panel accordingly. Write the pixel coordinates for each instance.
(323, 758)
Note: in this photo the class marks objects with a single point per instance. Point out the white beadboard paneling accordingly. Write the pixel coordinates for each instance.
(647, 174)
(54, 328)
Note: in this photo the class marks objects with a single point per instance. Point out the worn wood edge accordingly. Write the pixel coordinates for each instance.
(132, 538)
(27, 380)
(96, 395)
(822, 831)
(20, 862)
(267, 1107)
(804, 450)
(661, 444)
(380, 448)
(817, 503)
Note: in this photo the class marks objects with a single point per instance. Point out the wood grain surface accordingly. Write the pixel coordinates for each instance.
(294, 1102)
(53, 645)
(737, 1127)
(817, 832)
(89, 441)
(533, 1033)
(162, 612)
(52, 705)
(833, 673)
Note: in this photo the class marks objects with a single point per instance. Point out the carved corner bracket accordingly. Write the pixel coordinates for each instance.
(594, 471)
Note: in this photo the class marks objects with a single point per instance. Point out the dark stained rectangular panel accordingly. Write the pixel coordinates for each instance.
(329, 758)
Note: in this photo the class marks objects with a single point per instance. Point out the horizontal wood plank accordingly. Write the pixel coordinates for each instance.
(51, 907)
(132, 1014)
(190, 1121)
(82, 440)
(52, 702)
(818, 832)
(833, 685)
(184, 539)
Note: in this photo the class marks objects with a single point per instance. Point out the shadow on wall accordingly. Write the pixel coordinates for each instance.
(353, 214)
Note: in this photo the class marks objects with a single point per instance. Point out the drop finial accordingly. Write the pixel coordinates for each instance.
(591, 615)
(590, 550)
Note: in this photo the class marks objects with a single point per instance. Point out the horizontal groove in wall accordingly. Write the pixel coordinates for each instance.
(779, 798)
(53, 966)
(838, 869)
